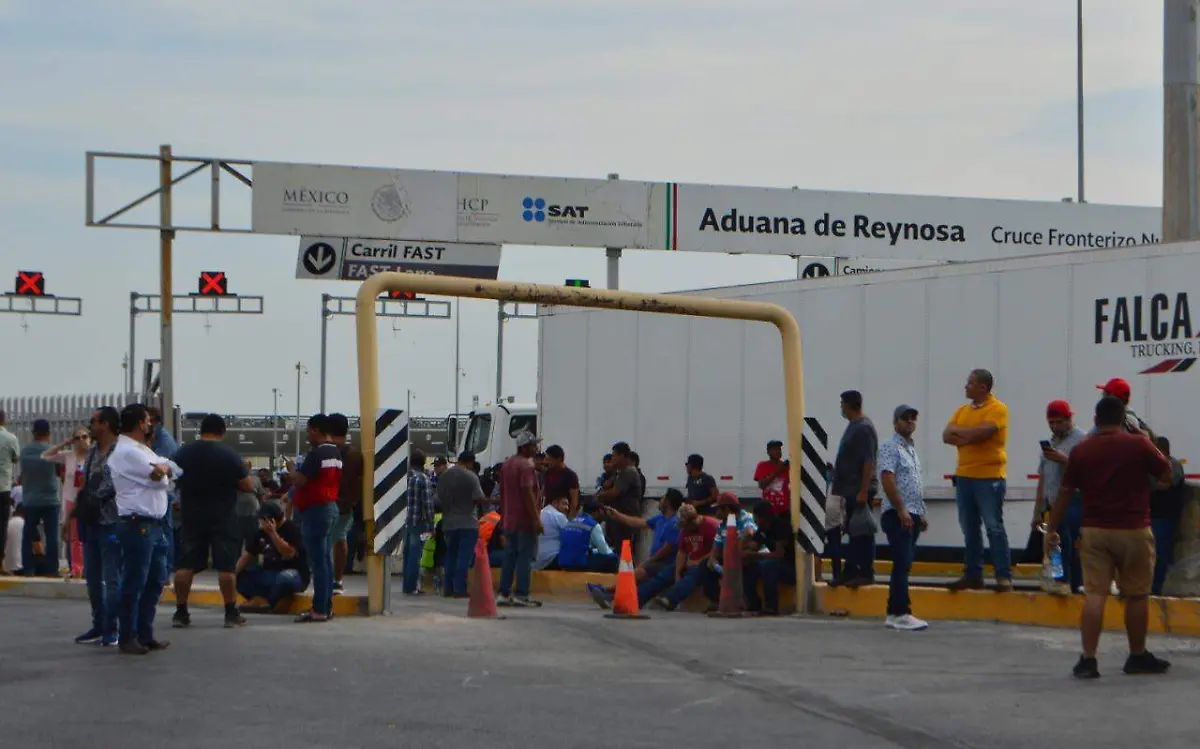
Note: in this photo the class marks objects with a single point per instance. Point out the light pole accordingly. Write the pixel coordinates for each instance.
(275, 428)
(1079, 91)
(457, 330)
(300, 372)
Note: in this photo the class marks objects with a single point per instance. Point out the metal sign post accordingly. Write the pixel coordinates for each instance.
(144, 304)
(427, 309)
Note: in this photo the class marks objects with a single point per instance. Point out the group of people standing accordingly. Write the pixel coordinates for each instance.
(123, 475)
(1097, 488)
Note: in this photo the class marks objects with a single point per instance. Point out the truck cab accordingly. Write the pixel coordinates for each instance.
(492, 431)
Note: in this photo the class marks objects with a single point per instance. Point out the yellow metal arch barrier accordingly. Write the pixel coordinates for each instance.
(508, 291)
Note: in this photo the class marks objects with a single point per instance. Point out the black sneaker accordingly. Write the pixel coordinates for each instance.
(154, 645)
(89, 637)
(338, 588)
(234, 619)
(181, 620)
(1146, 663)
(1087, 668)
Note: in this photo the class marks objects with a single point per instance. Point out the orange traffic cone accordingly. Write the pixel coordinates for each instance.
(483, 597)
(625, 602)
(733, 601)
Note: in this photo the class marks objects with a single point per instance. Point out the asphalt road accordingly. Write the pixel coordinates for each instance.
(563, 676)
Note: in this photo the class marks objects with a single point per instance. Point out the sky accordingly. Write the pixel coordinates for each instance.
(934, 97)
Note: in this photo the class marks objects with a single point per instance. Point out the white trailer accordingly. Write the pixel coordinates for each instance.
(1048, 327)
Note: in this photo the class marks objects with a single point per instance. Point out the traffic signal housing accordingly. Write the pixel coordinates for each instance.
(213, 283)
(30, 283)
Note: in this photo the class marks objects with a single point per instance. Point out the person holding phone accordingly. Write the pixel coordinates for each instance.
(1064, 436)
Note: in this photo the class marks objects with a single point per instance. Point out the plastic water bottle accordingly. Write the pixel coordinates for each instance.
(1056, 562)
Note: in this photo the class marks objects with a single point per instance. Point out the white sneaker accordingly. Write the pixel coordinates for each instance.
(890, 622)
(908, 623)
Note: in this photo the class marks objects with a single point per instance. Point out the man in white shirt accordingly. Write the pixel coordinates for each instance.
(550, 541)
(141, 480)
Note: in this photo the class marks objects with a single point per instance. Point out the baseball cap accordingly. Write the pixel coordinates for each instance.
(901, 410)
(1117, 387)
(439, 461)
(524, 439)
(41, 426)
(1059, 410)
(728, 499)
(466, 456)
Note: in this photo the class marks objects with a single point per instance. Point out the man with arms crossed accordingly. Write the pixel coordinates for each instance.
(1111, 469)
(141, 480)
(979, 430)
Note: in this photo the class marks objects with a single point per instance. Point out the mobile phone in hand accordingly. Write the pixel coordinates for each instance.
(1046, 446)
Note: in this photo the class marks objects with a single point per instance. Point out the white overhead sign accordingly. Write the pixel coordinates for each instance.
(554, 211)
(452, 207)
(710, 218)
(339, 258)
(353, 202)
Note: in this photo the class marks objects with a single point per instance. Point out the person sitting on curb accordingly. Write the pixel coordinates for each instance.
(697, 534)
(583, 544)
(769, 556)
(663, 546)
(283, 571)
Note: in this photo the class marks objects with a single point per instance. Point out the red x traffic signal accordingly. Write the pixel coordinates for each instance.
(410, 295)
(31, 283)
(213, 283)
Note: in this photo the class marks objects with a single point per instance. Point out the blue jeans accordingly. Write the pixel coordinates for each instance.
(519, 552)
(700, 575)
(414, 549)
(460, 549)
(315, 526)
(982, 501)
(273, 585)
(772, 572)
(904, 548)
(656, 583)
(48, 517)
(1068, 532)
(143, 575)
(102, 570)
(1164, 549)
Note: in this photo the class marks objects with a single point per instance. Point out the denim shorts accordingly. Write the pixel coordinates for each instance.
(341, 527)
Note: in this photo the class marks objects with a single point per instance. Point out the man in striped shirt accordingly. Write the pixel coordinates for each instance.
(420, 520)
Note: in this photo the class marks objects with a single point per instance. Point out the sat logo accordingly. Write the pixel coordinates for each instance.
(537, 210)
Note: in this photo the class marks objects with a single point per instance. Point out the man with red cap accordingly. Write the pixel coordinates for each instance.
(1064, 436)
(1119, 388)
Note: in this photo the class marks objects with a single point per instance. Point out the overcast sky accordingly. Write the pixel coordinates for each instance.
(933, 97)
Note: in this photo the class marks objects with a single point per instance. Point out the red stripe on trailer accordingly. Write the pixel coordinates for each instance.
(727, 478)
(662, 478)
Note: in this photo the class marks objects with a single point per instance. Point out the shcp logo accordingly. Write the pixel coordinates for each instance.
(535, 209)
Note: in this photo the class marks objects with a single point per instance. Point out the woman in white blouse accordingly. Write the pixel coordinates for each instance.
(71, 454)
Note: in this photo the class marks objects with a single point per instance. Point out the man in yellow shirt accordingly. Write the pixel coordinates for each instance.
(979, 429)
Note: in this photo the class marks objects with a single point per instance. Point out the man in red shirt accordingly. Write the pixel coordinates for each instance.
(773, 477)
(520, 521)
(696, 536)
(1110, 469)
(317, 483)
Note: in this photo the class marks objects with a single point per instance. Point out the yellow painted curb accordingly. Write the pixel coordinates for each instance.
(1179, 616)
(53, 588)
(883, 568)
